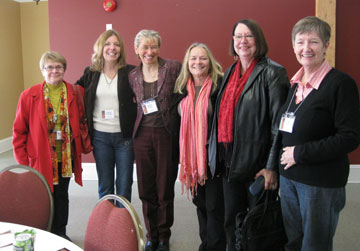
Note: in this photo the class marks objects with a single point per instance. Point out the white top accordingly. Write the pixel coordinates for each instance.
(106, 110)
(44, 241)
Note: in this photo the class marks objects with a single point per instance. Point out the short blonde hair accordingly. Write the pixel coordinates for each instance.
(97, 58)
(147, 34)
(215, 70)
(52, 56)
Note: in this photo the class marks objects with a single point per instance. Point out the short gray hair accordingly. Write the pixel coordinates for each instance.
(309, 24)
(147, 34)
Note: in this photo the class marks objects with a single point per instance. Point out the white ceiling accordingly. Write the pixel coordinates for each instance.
(24, 1)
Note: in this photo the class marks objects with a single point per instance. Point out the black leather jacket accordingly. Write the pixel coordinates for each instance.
(255, 124)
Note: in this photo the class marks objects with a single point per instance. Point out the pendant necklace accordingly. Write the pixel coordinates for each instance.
(109, 81)
(55, 117)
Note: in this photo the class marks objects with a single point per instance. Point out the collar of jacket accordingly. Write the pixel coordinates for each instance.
(257, 69)
(38, 94)
(161, 77)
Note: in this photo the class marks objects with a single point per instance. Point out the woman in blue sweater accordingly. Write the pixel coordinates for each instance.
(319, 126)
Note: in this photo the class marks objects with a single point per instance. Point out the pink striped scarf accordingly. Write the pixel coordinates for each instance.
(193, 136)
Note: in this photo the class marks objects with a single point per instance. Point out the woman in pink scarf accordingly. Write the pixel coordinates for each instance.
(197, 86)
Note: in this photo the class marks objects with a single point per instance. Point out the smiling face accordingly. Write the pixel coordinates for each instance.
(53, 72)
(148, 51)
(244, 42)
(199, 63)
(309, 50)
(111, 50)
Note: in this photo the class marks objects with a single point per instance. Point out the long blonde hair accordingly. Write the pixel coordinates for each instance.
(215, 69)
(97, 58)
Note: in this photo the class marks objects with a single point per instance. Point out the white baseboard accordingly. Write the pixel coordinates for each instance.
(89, 172)
(354, 176)
(5, 144)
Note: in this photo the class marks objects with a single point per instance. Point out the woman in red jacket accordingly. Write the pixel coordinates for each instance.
(46, 134)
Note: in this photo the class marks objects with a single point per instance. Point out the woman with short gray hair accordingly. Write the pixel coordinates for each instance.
(156, 137)
(320, 125)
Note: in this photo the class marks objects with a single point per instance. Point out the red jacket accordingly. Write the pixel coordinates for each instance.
(30, 135)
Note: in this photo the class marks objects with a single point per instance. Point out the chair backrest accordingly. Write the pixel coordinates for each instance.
(25, 197)
(113, 228)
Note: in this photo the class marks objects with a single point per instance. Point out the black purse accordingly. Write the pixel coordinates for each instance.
(261, 228)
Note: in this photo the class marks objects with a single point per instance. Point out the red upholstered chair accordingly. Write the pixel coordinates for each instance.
(112, 228)
(25, 197)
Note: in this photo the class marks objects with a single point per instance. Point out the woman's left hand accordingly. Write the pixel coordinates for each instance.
(270, 178)
(287, 157)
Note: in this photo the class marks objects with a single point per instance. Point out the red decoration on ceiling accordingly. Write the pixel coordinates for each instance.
(109, 5)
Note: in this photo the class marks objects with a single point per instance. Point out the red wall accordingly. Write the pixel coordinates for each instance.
(347, 46)
(75, 25)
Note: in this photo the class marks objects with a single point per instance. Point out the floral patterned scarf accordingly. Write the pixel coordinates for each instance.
(51, 117)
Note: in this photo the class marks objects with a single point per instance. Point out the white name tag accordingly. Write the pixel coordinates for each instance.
(149, 106)
(58, 135)
(287, 122)
(108, 114)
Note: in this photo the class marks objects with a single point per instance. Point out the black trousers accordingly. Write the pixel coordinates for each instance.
(61, 204)
(210, 211)
(237, 198)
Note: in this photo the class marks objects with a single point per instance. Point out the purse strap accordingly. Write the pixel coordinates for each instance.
(268, 198)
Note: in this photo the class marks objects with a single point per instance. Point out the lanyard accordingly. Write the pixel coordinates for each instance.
(292, 98)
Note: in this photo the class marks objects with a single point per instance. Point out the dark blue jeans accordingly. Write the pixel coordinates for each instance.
(310, 214)
(111, 151)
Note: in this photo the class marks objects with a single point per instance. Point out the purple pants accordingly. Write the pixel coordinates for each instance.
(156, 173)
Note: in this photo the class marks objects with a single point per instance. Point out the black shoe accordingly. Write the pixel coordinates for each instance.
(151, 245)
(66, 237)
(163, 246)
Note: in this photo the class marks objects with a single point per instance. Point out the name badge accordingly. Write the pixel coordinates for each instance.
(58, 135)
(287, 122)
(108, 114)
(149, 106)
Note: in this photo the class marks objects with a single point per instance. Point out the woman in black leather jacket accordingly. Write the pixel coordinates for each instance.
(244, 126)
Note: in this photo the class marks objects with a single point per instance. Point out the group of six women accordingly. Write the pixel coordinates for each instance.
(224, 130)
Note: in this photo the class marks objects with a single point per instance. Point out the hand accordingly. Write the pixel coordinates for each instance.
(270, 178)
(287, 157)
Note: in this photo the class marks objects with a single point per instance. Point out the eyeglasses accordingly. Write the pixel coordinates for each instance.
(239, 37)
(50, 68)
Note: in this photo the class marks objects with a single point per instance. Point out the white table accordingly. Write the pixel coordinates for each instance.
(44, 241)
